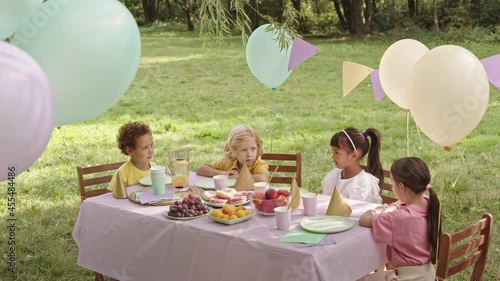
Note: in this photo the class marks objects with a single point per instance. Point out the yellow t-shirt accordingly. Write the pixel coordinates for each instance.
(258, 166)
(130, 174)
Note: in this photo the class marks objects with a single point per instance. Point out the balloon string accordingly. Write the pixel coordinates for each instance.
(419, 135)
(408, 133)
(62, 135)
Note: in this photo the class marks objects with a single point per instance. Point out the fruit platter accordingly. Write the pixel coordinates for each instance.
(230, 214)
(265, 202)
(187, 209)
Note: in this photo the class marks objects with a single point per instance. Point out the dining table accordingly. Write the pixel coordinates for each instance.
(129, 241)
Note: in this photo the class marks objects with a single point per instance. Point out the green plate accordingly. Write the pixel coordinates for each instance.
(327, 224)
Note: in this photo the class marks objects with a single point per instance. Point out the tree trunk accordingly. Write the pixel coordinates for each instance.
(188, 7)
(436, 21)
(279, 10)
(347, 7)
(368, 14)
(411, 8)
(150, 10)
(358, 24)
(169, 11)
(189, 18)
(475, 10)
(254, 14)
(341, 17)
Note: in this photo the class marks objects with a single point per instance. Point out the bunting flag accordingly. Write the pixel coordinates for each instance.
(492, 67)
(352, 74)
(301, 51)
(378, 91)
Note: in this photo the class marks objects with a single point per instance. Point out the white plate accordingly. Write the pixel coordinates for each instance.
(222, 205)
(327, 224)
(147, 181)
(230, 222)
(185, 218)
(209, 183)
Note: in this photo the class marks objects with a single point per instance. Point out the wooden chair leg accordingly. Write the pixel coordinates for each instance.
(99, 277)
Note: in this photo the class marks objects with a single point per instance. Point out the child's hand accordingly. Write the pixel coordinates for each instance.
(234, 174)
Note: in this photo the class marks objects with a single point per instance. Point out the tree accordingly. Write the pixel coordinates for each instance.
(355, 15)
(436, 21)
(150, 9)
(188, 7)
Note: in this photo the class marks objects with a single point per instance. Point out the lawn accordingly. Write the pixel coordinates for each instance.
(192, 92)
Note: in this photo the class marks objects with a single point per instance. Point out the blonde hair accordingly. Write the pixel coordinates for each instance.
(238, 135)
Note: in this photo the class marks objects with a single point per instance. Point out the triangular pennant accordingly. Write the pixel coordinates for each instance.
(338, 206)
(119, 191)
(352, 74)
(492, 67)
(245, 180)
(378, 91)
(301, 51)
(293, 190)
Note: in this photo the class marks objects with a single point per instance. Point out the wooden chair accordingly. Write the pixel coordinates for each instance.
(97, 178)
(386, 192)
(290, 166)
(465, 248)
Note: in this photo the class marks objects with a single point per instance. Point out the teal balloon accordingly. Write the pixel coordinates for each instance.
(90, 51)
(13, 13)
(266, 61)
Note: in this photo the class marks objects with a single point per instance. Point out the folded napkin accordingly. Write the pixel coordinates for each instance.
(296, 200)
(300, 236)
(149, 196)
(119, 190)
(338, 206)
(245, 180)
(327, 240)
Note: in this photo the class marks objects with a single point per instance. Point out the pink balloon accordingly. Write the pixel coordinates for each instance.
(26, 111)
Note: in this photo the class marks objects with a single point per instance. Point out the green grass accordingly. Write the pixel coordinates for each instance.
(192, 92)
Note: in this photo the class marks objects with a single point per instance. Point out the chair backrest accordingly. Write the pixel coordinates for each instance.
(95, 177)
(464, 248)
(386, 193)
(290, 166)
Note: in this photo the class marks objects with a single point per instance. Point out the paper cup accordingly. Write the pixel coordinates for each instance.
(220, 182)
(283, 217)
(158, 179)
(310, 202)
(260, 186)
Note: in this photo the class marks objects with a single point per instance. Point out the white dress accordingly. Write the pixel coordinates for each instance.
(363, 186)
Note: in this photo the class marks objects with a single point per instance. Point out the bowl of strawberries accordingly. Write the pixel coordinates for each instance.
(264, 202)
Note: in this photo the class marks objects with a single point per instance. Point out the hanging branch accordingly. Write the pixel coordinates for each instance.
(217, 22)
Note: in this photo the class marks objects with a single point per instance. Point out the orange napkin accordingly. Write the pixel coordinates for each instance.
(338, 206)
(119, 191)
(295, 188)
(245, 180)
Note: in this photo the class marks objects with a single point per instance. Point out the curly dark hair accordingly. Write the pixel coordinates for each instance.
(128, 133)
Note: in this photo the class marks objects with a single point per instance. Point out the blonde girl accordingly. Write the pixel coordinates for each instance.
(243, 147)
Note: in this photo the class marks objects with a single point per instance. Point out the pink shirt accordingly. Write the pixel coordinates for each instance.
(406, 232)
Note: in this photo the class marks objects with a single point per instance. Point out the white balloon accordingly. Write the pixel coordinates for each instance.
(396, 66)
(448, 93)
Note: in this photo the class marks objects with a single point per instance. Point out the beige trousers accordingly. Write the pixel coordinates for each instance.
(424, 272)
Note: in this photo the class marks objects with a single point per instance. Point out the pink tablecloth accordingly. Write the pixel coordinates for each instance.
(128, 241)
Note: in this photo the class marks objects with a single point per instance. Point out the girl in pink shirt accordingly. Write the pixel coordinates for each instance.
(410, 229)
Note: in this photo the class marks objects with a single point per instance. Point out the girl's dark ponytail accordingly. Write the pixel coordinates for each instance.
(373, 161)
(434, 212)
